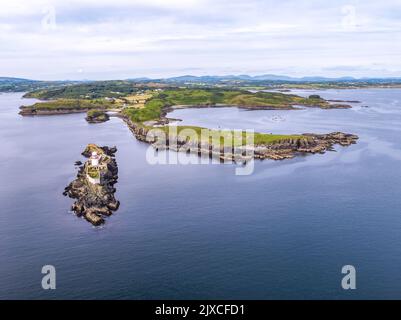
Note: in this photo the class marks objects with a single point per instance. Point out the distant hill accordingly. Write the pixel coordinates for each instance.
(267, 77)
(10, 84)
(264, 77)
(11, 79)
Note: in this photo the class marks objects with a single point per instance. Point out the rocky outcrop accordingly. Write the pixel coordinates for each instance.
(336, 106)
(344, 101)
(95, 201)
(97, 116)
(168, 109)
(29, 111)
(278, 150)
(309, 143)
(294, 106)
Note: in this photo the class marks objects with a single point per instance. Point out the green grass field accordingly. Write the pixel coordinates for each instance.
(65, 104)
(197, 97)
(152, 111)
(93, 90)
(225, 138)
(236, 98)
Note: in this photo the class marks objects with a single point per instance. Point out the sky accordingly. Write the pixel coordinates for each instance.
(120, 39)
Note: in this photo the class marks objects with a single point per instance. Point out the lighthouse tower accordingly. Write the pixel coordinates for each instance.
(94, 159)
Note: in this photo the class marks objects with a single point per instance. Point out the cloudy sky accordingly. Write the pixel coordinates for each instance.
(85, 39)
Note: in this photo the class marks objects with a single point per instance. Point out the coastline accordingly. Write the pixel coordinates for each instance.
(31, 111)
(26, 111)
(285, 148)
(308, 143)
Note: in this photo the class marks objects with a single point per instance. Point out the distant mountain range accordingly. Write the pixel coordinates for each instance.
(9, 84)
(10, 79)
(266, 77)
(242, 77)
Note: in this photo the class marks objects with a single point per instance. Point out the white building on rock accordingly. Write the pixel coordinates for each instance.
(95, 158)
(94, 168)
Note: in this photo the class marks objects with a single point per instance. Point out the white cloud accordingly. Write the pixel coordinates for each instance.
(124, 38)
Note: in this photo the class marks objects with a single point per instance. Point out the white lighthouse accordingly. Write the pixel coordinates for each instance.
(94, 159)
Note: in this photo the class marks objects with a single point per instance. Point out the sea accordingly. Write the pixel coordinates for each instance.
(201, 231)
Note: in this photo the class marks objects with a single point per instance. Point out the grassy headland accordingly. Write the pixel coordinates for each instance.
(240, 98)
(225, 137)
(65, 105)
(153, 108)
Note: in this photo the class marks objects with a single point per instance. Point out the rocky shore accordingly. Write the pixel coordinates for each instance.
(307, 143)
(331, 105)
(94, 193)
(29, 111)
(344, 101)
(311, 143)
(97, 116)
(163, 120)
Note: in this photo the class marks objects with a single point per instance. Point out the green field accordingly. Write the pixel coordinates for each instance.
(223, 137)
(73, 104)
(235, 97)
(92, 90)
(211, 97)
(152, 111)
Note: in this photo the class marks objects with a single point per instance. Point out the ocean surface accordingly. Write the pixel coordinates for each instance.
(200, 231)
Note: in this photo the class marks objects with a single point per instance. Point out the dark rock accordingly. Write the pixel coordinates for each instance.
(285, 149)
(97, 116)
(95, 200)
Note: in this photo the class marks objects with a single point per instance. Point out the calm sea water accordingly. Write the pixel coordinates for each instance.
(200, 231)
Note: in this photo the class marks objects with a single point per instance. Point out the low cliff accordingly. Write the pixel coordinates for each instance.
(279, 149)
(64, 106)
(28, 111)
(97, 116)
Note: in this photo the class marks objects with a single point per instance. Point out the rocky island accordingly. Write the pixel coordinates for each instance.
(93, 188)
(64, 106)
(97, 116)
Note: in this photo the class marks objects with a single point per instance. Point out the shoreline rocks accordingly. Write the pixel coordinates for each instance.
(311, 143)
(344, 101)
(284, 149)
(331, 105)
(97, 116)
(94, 188)
(28, 111)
